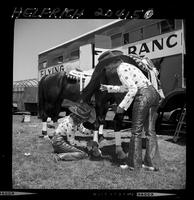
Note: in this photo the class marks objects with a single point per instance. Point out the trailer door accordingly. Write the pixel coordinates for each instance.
(86, 57)
(171, 73)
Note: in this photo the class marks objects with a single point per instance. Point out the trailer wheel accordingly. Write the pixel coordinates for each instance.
(174, 118)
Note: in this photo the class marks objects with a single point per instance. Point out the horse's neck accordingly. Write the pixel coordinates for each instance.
(90, 89)
(87, 93)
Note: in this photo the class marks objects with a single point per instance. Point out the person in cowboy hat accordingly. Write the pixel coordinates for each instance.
(145, 97)
(64, 144)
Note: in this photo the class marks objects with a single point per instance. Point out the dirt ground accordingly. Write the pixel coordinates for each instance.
(33, 166)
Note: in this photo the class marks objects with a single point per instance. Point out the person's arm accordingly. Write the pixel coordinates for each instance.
(132, 90)
(113, 88)
(126, 102)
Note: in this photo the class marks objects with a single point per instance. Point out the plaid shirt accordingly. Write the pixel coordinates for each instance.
(132, 79)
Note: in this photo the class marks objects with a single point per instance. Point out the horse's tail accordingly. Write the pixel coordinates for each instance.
(41, 99)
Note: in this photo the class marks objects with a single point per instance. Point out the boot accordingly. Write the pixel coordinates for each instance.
(120, 153)
(152, 159)
(121, 156)
(134, 159)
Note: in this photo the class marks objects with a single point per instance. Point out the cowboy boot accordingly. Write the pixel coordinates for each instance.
(134, 159)
(152, 156)
(119, 151)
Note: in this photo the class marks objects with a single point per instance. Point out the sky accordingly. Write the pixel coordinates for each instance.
(32, 36)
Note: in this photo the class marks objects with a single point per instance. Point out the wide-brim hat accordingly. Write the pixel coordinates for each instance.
(82, 110)
(109, 54)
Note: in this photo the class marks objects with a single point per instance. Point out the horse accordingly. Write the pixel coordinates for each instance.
(52, 89)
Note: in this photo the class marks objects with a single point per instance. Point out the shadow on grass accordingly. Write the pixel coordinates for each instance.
(180, 141)
(109, 153)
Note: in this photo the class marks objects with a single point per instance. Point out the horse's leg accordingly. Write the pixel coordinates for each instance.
(117, 127)
(101, 114)
(102, 122)
(46, 113)
(44, 124)
(55, 114)
(95, 131)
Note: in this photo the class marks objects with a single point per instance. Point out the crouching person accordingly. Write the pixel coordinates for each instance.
(64, 144)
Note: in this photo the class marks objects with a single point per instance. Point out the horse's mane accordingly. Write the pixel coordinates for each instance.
(70, 79)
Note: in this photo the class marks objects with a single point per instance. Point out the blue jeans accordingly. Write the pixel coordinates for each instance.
(66, 151)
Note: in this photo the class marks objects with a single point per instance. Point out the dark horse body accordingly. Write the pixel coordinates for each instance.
(52, 89)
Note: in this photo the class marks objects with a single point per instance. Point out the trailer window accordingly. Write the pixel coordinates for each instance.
(136, 35)
(151, 30)
(43, 64)
(116, 40)
(126, 38)
(167, 25)
(57, 60)
(60, 59)
(74, 55)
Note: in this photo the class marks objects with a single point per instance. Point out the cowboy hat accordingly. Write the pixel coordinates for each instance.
(67, 103)
(109, 54)
(83, 110)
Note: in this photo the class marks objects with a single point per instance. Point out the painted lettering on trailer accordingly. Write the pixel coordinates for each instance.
(160, 46)
(156, 47)
(58, 68)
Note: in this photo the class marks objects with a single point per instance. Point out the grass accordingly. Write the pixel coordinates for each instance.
(39, 171)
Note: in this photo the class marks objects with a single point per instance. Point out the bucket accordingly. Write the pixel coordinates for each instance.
(26, 118)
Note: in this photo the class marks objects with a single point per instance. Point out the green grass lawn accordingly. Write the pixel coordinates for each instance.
(39, 171)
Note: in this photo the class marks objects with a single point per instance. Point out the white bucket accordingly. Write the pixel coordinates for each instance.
(26, 118)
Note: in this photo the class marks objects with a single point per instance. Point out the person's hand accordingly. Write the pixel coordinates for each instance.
(103, 87)
(120, 110)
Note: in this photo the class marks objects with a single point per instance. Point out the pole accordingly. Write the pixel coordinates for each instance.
(81, 82)
(183, 52)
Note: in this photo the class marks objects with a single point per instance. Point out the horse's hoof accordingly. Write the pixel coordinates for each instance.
(147, 168)
(122, 161)
(44, 133)
(50, 136)
(124, 166)
(46, 137)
